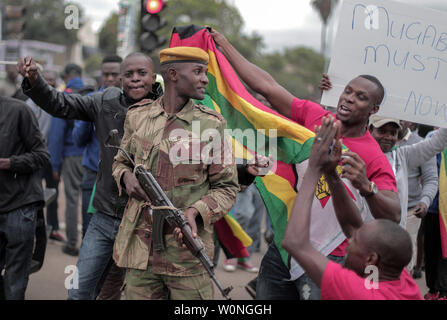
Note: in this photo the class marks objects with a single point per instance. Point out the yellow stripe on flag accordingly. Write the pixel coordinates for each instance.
(281, 188)
(238, 232)
(259, 118)
(443, 201)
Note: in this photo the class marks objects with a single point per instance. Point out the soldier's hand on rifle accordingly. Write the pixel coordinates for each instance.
(190, 215)
(28, 69)
(133, 187)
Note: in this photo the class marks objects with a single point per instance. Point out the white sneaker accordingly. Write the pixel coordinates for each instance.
(230, 265)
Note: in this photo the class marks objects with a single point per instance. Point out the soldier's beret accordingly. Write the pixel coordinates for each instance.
(183, 54)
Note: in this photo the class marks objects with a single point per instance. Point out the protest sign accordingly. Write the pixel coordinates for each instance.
(404, 46)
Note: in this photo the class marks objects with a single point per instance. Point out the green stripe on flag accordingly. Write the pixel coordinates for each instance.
(277, 211)
(288, 151)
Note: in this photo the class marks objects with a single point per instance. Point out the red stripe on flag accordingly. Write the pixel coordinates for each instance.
(226, 238)
(443, 228)
(204, 41)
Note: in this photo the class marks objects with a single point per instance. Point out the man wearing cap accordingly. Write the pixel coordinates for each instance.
(405, 158)
(385, 131)
(165, 136)
(422, 189)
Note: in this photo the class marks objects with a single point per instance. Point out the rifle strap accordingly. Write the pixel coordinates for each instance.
(164, 208)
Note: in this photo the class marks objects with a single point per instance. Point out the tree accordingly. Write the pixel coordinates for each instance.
(108, 34)
(93, 63)
(324, 8)
(296, 69)
(45, 21)
(214, 13)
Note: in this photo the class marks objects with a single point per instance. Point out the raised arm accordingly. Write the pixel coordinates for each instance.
(58, 104)
(297, 236)
(347, 212)
(419, 153)
(256, 78)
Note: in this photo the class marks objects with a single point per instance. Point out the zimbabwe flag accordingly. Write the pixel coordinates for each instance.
(227, 95)
(443, 203)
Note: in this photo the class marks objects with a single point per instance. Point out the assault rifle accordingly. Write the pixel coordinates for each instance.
(168, 213)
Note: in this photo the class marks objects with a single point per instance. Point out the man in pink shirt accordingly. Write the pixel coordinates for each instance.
(378, 250)
(366, 166)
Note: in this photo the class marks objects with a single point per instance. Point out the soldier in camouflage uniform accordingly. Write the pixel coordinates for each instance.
(204, 191)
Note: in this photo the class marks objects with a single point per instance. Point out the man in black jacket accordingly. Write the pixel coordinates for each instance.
(22, 154)
(107, 109)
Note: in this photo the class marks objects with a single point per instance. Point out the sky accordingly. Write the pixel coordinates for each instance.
(281, 22)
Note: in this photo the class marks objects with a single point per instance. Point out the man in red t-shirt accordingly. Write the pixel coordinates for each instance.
(365, 165)
(378, 250)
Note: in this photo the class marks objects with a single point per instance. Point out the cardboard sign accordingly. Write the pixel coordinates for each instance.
(404, 46)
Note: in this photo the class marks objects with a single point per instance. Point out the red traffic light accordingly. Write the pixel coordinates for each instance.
(154, 6)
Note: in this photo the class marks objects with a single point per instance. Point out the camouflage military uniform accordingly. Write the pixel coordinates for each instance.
(210, 188)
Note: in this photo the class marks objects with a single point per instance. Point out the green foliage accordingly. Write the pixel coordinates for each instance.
(93, 63)
(215, 13)
(45, 20)
(108, 34)
(296, 69)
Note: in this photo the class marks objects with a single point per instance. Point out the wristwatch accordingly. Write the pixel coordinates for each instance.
(372, 190)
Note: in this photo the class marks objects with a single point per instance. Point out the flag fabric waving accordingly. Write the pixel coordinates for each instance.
(232, 238)
(290, 143)
(443, 203)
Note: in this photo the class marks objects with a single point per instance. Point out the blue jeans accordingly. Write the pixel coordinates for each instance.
(248, 211)
(88, 181)
(94, 256)
(273, 283)
(17, 231)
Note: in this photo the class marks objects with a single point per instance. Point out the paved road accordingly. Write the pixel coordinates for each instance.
(48, 283)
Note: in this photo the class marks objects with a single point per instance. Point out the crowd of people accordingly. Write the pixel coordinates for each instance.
(51, 133)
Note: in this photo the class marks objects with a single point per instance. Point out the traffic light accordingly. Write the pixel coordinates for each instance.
(151, 22)
(13, 22)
